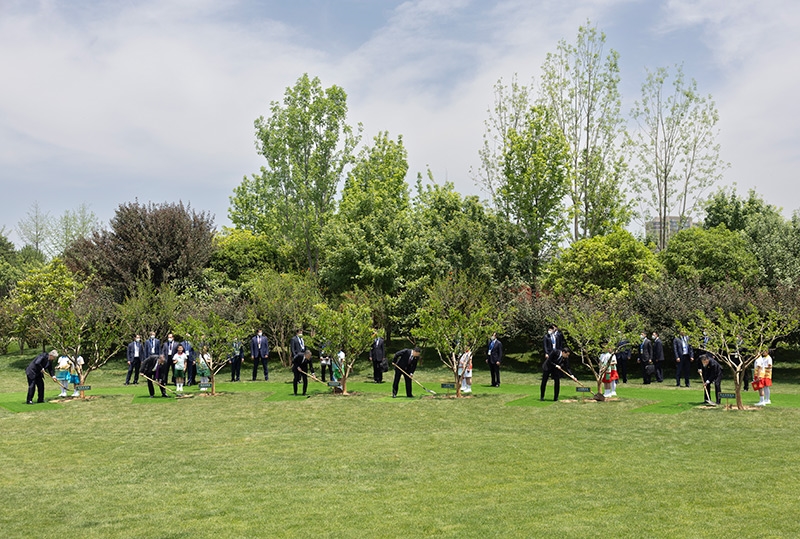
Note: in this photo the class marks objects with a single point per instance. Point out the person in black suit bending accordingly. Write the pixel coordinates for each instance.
(406, 359)
(259, 351)
(550, 369)
(35, 373)
(301, 366)
(151, 369)
(495, 357)
(377, 355)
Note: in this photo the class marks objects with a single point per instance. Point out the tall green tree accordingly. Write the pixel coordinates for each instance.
(307, 144)
(580, 85)
(676, 148)
(537, 173)
(511, 105)
(363, 242)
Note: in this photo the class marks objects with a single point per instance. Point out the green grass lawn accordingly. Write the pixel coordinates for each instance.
(258, 462)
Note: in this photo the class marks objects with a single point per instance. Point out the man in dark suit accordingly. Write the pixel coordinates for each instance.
(407, 360)
(684, 355)
(711, 373)
(135, 355)
(297, 344)
(35, 374)
(377, 355)
(646, 358)
(151, 369)
(301, 366)
(259, 351)
(235, 359)
(152, 346)
(549, 341)
(658, 357)
(191, 366)
(494, 359)
(168, 350)
(550, 369)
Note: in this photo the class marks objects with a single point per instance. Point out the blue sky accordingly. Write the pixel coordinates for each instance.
(105, 102)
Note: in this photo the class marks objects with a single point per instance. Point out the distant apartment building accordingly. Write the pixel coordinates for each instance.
(652, 228)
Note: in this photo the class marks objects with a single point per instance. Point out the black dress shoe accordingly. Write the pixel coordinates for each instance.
(394, 396)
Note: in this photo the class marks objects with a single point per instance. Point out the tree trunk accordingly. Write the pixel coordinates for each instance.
(737, 380)
(213, 383)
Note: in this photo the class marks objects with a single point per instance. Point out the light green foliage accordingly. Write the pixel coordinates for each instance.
(71, 226)
(347, 328)
(536, 171)
(307, 144)
(35, 229)
(602, 266)
(710, 256)
(511, 106)
(364, 241)
(279, 303)
(726, 207)
(678, 156)
(75, 316)
(580, 85)
(592, 327)
(736, 338)
(459, 312)
(238, 252)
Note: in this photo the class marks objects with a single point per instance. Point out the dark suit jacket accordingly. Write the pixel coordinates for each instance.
(149, 366)
(150, 345)
(377, 351)
(712, 371)
(560, 342)
(300, 363)
(658, 350)
(41, 362)
(646, 351)
(549, 346)
(553, 359)
(263, 350)
(132, 351)
(165, 349)
(496, 353)
(298, 345)
(405, 360)
(677, 347)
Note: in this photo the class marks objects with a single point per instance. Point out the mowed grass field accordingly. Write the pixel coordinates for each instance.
(258, 462)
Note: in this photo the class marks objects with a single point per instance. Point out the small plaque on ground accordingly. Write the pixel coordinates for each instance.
(583, 389)
(83, 388)
(727, 395)
(204, 386)
(334, 384)
(448, 386)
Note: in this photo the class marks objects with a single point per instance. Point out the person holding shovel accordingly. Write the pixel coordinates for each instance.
(151, 369)
(301, 366)
(550, 368)
(35, 373)
(405, 363)
(710, 373)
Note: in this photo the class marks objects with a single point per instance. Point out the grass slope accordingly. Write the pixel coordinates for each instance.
(259, 462)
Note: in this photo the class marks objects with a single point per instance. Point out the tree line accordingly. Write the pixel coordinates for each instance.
(328, 226)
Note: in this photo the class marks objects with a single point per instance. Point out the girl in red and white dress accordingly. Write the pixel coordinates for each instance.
(762, 377)
(608, 362)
